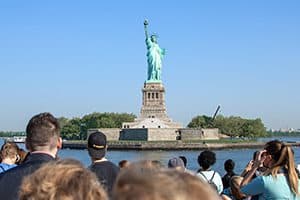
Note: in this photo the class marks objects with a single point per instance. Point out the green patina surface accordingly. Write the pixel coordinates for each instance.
(154, 57)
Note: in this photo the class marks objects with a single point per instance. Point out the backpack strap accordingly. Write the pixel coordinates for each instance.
(203, 175)
(211, 179)
(3, 170)
(206, 177)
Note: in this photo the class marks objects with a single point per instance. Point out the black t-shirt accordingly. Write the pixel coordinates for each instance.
(106, 172)
(226, 179)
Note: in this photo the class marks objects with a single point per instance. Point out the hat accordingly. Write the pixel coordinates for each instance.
(97, 145)
(176, 162)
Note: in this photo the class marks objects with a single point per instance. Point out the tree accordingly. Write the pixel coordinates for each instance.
(232, 126)
(254, 128)
(71, 130)
(76, 128)
(63, 121)
(201, 122)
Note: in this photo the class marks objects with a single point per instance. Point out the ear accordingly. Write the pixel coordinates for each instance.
(59, 143)
(18, 158)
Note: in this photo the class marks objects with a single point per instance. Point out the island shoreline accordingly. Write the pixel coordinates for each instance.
(176, 145)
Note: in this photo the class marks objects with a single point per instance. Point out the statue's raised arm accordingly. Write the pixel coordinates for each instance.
(145, 27)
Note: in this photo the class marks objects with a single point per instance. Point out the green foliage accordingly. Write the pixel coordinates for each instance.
(70, 131)
(76, 128)
(284, 134)
(11, 133)
(201, 122)
(63, 121)
(232, 126)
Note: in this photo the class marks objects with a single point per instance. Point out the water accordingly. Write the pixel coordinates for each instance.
(240, 156)
(281, 138)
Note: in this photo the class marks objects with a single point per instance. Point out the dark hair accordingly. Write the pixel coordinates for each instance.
(229, 165)
(41, 130)
(123, 163)
(23, 155)
(206, 159)
(183, 158)
(255, 153)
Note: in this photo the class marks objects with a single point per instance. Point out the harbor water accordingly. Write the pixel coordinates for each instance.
(240, 156)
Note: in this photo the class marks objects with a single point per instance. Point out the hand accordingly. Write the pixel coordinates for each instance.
(249, 166)
(146, 22)
(259, 159)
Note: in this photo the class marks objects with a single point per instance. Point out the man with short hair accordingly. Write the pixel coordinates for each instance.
(43, 142)
(105, 170)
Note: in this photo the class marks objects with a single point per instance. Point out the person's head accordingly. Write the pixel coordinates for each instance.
(229, 165)
(161, 184)
(280, 156)
(43, 133)
(157, 163)
(145, 165)
(65, 180)
(206, 159)
(153, 38)
(97, 145)
(176, 163)
(184, 159)
(235, 183)
(124, 163)
(9, 153)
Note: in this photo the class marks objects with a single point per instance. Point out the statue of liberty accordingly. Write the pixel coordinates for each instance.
(154, 57)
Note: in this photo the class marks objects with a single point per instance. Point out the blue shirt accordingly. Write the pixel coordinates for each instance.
(269, 187)
(4, 167)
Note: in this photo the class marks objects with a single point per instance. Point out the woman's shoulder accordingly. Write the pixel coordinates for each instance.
(270, 179)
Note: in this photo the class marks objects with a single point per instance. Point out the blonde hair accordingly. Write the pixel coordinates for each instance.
(150, 183)
(63, 180)
(283, 157)
(9, 150)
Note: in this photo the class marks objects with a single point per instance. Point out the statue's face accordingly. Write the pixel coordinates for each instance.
(153, 38)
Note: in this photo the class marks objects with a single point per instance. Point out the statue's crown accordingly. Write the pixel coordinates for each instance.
(155, 35)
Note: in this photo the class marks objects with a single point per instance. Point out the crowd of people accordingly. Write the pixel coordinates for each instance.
(40, 175)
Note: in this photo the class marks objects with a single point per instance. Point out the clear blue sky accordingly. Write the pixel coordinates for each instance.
(72, 58)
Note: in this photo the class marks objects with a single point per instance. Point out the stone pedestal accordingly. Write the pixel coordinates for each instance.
(153, 101)
(153, 112)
